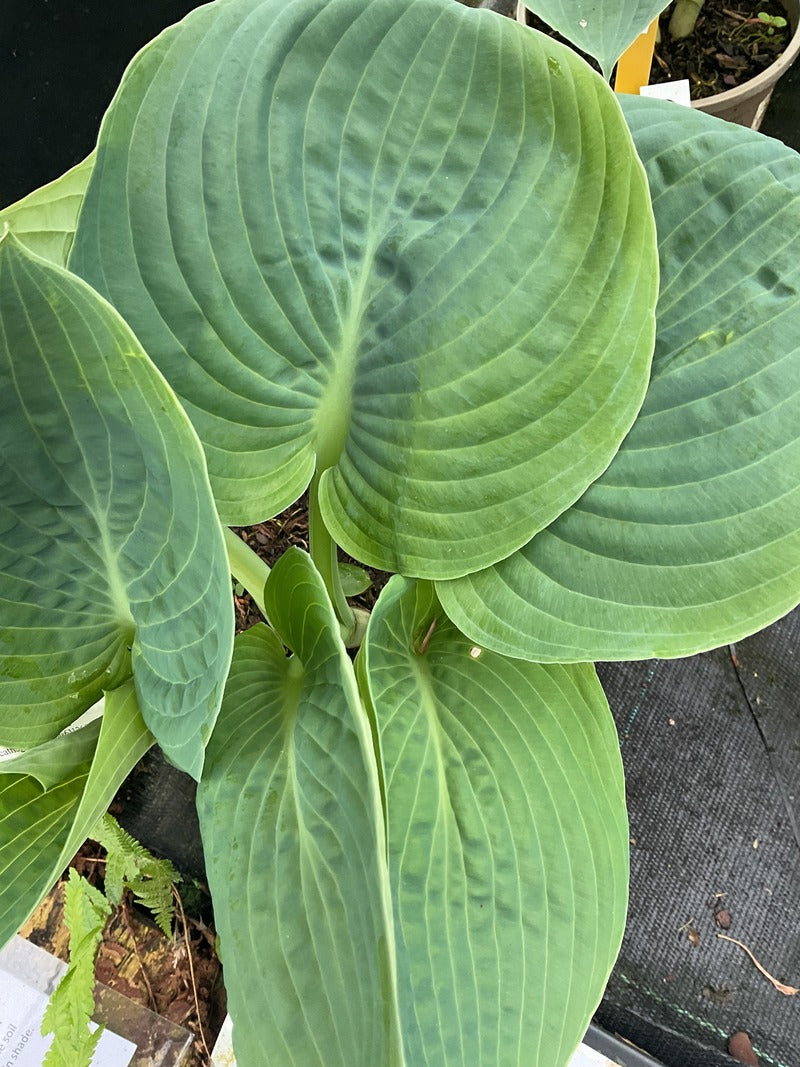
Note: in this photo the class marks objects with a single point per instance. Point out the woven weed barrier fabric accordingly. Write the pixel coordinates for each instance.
(157, 805)
(712, 751)
(711, 747)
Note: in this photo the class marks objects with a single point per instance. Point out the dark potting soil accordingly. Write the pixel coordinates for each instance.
(271, 539)
(178, 978)
(729, 46)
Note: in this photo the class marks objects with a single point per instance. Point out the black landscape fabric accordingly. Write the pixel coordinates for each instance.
(711, 747)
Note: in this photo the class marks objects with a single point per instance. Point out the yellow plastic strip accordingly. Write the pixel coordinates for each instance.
(633, 69)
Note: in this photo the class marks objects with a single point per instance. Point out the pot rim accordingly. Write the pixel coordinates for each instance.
(762, 82)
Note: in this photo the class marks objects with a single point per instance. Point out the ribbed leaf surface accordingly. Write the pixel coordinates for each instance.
(600, 28)
(53, 761)
(409, 243)
(293, 836)
(110, 549)
(45, 220)
(691, 538)
(507, 840)
(41, 829)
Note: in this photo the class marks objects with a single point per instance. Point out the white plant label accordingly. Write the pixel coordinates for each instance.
(21, 1041)
(587, 1057)
(678, 92)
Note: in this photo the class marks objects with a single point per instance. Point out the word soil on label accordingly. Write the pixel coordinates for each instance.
(21, 1042)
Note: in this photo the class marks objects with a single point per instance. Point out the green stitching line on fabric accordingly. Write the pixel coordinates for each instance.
(623, 737)
(695, 1018)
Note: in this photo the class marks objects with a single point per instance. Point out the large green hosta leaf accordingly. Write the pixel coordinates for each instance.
(507, 840)
(691, 537)
(45, 220)
(410, 243)
(111, 555)
(51, 799)
(601, 28)
(293, 835)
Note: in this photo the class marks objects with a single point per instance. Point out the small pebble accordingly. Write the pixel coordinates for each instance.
(741, 1048)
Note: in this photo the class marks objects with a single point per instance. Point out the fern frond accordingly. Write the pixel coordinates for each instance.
(129, 865)
(72, 1003)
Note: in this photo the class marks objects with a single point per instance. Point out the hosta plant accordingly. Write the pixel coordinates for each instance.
(533, 349)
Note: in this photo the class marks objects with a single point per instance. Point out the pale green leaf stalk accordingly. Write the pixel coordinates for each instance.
(683, 18)
(247, 568)
(72, 1003)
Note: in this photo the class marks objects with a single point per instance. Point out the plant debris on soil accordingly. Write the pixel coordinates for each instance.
(271, 539)
(178, 979)
(729, 46)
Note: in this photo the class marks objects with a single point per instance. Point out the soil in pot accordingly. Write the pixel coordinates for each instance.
(730, 45)
(270, 540)
(179, 979)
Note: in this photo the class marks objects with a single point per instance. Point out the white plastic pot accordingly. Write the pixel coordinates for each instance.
(745, 104)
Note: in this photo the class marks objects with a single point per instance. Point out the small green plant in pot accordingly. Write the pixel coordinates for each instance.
(684, 18)
(533, 352)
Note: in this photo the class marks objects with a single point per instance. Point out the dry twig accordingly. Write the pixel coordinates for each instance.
(153, 1004)
(787, 990)
(201, 1031)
